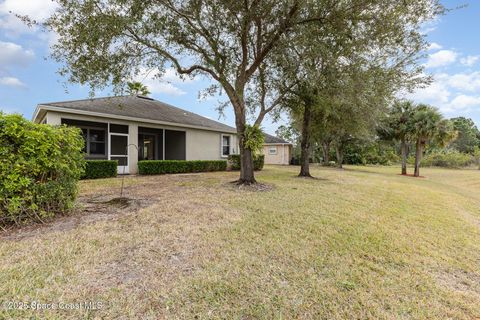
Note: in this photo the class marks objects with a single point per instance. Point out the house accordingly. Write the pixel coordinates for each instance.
(133, 128)
(277, 150)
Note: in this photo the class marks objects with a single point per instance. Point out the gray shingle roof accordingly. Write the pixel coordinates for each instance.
(273, 139)
(142, 108)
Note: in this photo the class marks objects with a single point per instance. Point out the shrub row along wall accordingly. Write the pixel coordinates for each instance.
(39, 169)
(180, 166)
(258, 161)
(96, 169)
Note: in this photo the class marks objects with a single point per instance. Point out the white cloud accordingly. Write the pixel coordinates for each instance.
(469, 60)
(162, 87)
(441, 58)
(434, 46)
(166, 83)
(38, 10)
(437, 94)
(453, 94)
(11, 82)
(461, 102)
(12, 54)
(461, 81)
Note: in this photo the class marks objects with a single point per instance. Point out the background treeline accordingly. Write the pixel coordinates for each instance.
(379, 149)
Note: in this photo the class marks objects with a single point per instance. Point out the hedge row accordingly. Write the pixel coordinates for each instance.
(258, 161)
(39, 169)
(180, 166)
(96, 169)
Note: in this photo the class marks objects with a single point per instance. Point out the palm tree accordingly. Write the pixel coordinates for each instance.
(137, 88)
(396, 127)
(427, 124)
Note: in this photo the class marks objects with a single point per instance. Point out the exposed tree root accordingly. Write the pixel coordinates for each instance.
(249, 186)
(243, 182)
(309, 177)
(305, 175)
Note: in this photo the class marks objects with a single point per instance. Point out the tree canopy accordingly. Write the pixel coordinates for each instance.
(233, 43)
(468, 138)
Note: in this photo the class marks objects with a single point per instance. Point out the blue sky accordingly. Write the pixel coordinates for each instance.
(27, 78)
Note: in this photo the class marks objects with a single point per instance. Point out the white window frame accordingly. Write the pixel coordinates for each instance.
(222, 145)
(270, 150)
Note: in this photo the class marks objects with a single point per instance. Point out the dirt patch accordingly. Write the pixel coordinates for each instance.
(459, 280)
(88, 210)
(99, 203)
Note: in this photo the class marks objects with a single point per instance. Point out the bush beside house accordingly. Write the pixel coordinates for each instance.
(148, 167)
(39, 170)
(96, 169)
(258, 161)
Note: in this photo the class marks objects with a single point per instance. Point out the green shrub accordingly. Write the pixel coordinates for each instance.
(96, 169)
(180, 166)
(368, 152)
(39, 169)
(258, 161)
(447, 159)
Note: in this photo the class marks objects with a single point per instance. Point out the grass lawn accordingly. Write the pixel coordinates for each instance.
(359, 243)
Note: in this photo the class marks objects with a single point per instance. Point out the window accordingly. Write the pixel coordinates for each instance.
(272, 150)
(225, 146)
(118, 128)
(94, 141)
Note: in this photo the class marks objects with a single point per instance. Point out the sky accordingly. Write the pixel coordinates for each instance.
(29, 77)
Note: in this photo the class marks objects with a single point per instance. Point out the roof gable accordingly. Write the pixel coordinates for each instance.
(272, 139)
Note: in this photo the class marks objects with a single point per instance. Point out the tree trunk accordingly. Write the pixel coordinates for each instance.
(305, 143)
(404, 157)
(418, 158)
(326, 152)
(247, 175)
(339, 152)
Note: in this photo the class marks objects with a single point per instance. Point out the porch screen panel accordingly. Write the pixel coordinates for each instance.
(175, 145)
(119, 145)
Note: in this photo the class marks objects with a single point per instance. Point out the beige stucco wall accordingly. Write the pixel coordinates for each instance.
(283, 155)
(206, 145)
(200, 144)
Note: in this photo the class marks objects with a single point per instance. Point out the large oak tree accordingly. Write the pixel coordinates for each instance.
(107, 42)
